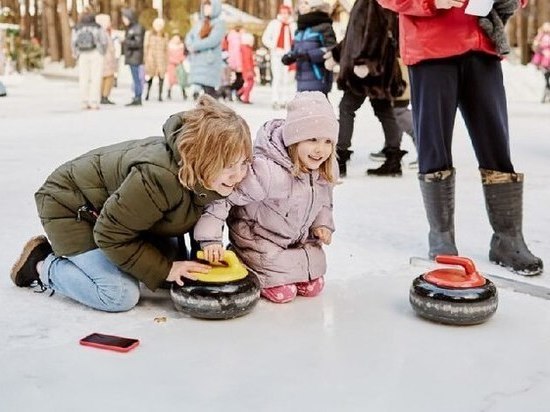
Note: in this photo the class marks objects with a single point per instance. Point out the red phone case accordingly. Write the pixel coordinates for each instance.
(110, 342)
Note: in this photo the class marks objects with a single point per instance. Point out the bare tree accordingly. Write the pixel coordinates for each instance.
(65, 33)
(50, 18)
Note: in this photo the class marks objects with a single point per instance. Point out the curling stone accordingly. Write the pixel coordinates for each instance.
(454, 296)
(226, 291)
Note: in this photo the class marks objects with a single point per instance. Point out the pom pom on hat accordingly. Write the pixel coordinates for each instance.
(309, 116)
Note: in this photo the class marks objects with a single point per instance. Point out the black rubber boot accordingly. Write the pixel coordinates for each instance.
(438, 193)
(392, 165)
(161, 83)
(343, 157)
(504, 201)
(149, 84)
(136, 101)
(169, 94)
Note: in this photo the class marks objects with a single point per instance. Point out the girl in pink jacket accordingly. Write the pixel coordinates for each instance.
(281, 213)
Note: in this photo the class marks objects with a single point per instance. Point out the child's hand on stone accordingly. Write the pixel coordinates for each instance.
(214, 252)
(323, 234)
(183, 268)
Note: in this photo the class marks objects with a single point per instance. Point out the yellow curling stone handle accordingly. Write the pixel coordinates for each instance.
(232, 270)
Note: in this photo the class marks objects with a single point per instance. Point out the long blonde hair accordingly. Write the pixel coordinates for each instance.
(212, 137)
(325, 170)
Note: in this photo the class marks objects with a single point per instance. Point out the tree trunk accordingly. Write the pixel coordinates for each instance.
(525, 53)
(26, 32)
(74, 12)
(65, 33)
(53, 45)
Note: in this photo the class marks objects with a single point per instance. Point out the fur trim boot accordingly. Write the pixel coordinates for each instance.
(438, 193)
(504, 201)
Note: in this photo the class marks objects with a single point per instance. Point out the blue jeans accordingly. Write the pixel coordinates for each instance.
(91, 279)
(136, 79)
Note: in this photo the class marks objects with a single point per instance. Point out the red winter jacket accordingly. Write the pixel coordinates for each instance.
(429, 33)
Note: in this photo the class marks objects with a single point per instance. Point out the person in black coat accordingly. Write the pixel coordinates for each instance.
(132, 47)
(369, 68)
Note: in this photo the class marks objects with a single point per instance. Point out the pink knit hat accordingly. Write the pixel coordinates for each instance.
(310, 115)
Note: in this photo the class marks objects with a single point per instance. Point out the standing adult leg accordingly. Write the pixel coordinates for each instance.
(383, 110)
(486, 118)
(434, 96)
(349, 104)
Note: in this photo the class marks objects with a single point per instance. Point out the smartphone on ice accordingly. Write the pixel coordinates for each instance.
(111, 342)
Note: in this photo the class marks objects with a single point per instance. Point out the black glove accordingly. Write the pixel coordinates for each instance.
(288, 59)
(292, 57)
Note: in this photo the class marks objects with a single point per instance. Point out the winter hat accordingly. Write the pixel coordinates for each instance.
(309, 115)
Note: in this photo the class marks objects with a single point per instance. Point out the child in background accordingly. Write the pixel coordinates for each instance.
(176, 56)
(314, 37)
(112, 215)
(224, 91)
(247, 57)
(281, 213)
(541, 58)
(110, 62)
(155, 52)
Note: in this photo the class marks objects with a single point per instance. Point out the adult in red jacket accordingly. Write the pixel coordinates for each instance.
(453, 62)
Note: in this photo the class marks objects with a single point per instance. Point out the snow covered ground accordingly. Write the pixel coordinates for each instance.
(358, 347)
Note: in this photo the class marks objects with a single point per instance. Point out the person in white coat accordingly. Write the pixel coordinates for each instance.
(278, 37)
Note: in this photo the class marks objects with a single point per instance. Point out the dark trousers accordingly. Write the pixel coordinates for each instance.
(473, 83)
(383, 110)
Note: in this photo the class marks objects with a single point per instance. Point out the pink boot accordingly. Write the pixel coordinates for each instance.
(312, 288)
(280, 294)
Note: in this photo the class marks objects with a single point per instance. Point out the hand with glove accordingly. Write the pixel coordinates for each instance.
(293, 57)
(288, 59)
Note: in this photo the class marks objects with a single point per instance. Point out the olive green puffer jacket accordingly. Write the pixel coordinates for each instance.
(135, 187)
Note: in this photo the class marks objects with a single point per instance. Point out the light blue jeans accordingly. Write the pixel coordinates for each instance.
(91, 279)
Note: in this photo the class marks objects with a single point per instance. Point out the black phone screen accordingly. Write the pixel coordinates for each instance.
(109, 340)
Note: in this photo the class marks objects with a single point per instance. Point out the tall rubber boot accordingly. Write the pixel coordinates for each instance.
(504, 201)
(343, 158)
(438, 193)
(392, 164)
(161, 83)
(149, 84)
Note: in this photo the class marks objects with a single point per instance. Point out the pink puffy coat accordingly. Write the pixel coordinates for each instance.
(272, 215)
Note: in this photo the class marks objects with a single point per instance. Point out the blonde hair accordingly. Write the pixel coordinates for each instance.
(212, 137)
(325, 170)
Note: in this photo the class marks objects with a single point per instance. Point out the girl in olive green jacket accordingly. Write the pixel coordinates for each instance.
(111, 215)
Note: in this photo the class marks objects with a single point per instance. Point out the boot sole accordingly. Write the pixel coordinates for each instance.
(525, 273)
(27, 249)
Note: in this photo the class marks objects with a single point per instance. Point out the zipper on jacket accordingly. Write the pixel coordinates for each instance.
(308, 212)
